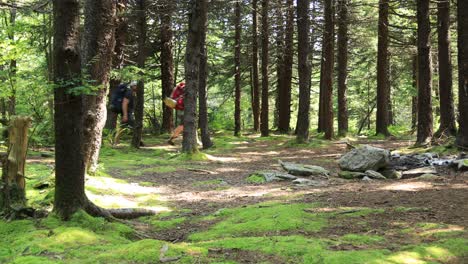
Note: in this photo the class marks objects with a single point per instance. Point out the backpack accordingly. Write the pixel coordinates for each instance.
(117, 97)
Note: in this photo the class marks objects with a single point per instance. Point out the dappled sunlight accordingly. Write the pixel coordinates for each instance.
(408, 186)
(221, 159)
(452, 228)
(406, 258)
(116, 201)
(120, 186)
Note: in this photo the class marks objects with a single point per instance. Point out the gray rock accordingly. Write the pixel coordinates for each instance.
(428, 177)
(391, 174)
(270, 176)
(366, 179)
(365, 158)
(418, 172)
(308, 182)
(375, 175)
(304, 170)
(350, 175)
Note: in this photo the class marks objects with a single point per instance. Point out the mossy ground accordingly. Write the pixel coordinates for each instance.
(284, 229)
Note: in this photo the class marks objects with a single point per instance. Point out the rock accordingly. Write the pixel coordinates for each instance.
(365, 158)
(428, 177)
(375, 175)
(308, 182)
(270, 176)
(418, 172)
(304, 170)
(366, 179)
(350, 175)
(391, 173)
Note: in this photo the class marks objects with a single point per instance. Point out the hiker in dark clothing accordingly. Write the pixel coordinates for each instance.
(128, 119)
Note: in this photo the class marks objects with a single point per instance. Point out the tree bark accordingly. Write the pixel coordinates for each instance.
(196, 26)
(141, 57)
(414, 99)
(303, 28)
(12, 186)
(202, 99)
(342, 67)
(425, 124)
(118, 60)
(167, 62)
(264, 123)
(287, 63)
(382, 120)
(237, 73)
(13, 65)
(327, 71)
(447, 112)
(70, 163)
(279, 33)
(255, 80)
(99, 44)
(462, 15)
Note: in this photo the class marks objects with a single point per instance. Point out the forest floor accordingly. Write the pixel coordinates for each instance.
(209, 212)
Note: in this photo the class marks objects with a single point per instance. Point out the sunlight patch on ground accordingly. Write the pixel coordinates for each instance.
(229, 194)
(442, 230)
(409, 186)
(230, 169)
(114, 201)
(121, 186)
(221, 159)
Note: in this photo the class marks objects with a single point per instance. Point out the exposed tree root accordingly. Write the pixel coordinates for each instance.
(113, 214)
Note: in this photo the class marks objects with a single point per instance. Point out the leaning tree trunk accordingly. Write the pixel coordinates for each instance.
(264, 123)
(342, 67)
(382, 71)
(202, 98)
(462, 14)
(287, 63)
(327, 70)
(447, 112)
(167, 62)
(118, 60)
(99, 45)
(141, 57)
(12, 185)
(237, 71)
(425, 124)
(303, 27)
(255, 81)
(197, 21)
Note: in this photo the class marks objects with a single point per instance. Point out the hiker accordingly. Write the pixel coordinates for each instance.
(178, 96)
(122, 103)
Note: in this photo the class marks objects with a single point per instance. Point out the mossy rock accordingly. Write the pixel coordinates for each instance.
(349, 175)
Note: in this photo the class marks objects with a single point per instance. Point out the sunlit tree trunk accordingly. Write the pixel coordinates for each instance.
(462, 15)
(425, 121)
(342, 66)
(99, 45)
(383, 88)
(167, 61)
(197, 21)
(264, 123)
(447, 112)
(303, 28)
(285, 89)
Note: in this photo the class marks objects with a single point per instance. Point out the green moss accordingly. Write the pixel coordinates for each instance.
(255, 179)
(147, 184)
(152, 170)
(159, 223)
(198, 156)
(357, 240)
(261, 218)
(209, 183)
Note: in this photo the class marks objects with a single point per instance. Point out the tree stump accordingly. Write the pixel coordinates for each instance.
(12, 186)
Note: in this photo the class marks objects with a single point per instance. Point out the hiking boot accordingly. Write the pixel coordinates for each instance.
(170, 142)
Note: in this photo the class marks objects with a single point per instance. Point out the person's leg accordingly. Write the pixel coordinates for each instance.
(179, 129)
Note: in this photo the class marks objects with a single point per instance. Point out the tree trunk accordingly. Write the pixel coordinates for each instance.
(279, 33)
(141, 57)
(12, 186)
(264, 124)
(70, 162)
(255, 81)
(196, 26)
(99, 44)
(342, 67)
(424, 134)
(167, 62)
(414, 99)
(202, 99)
(12, 71)
(285, 88)
(237, 73)
(447, 112)
(118, 60)
(303, 28)
(462, 14)
(382, 71)
(327, 70)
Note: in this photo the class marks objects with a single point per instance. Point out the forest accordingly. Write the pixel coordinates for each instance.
(234, 131)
